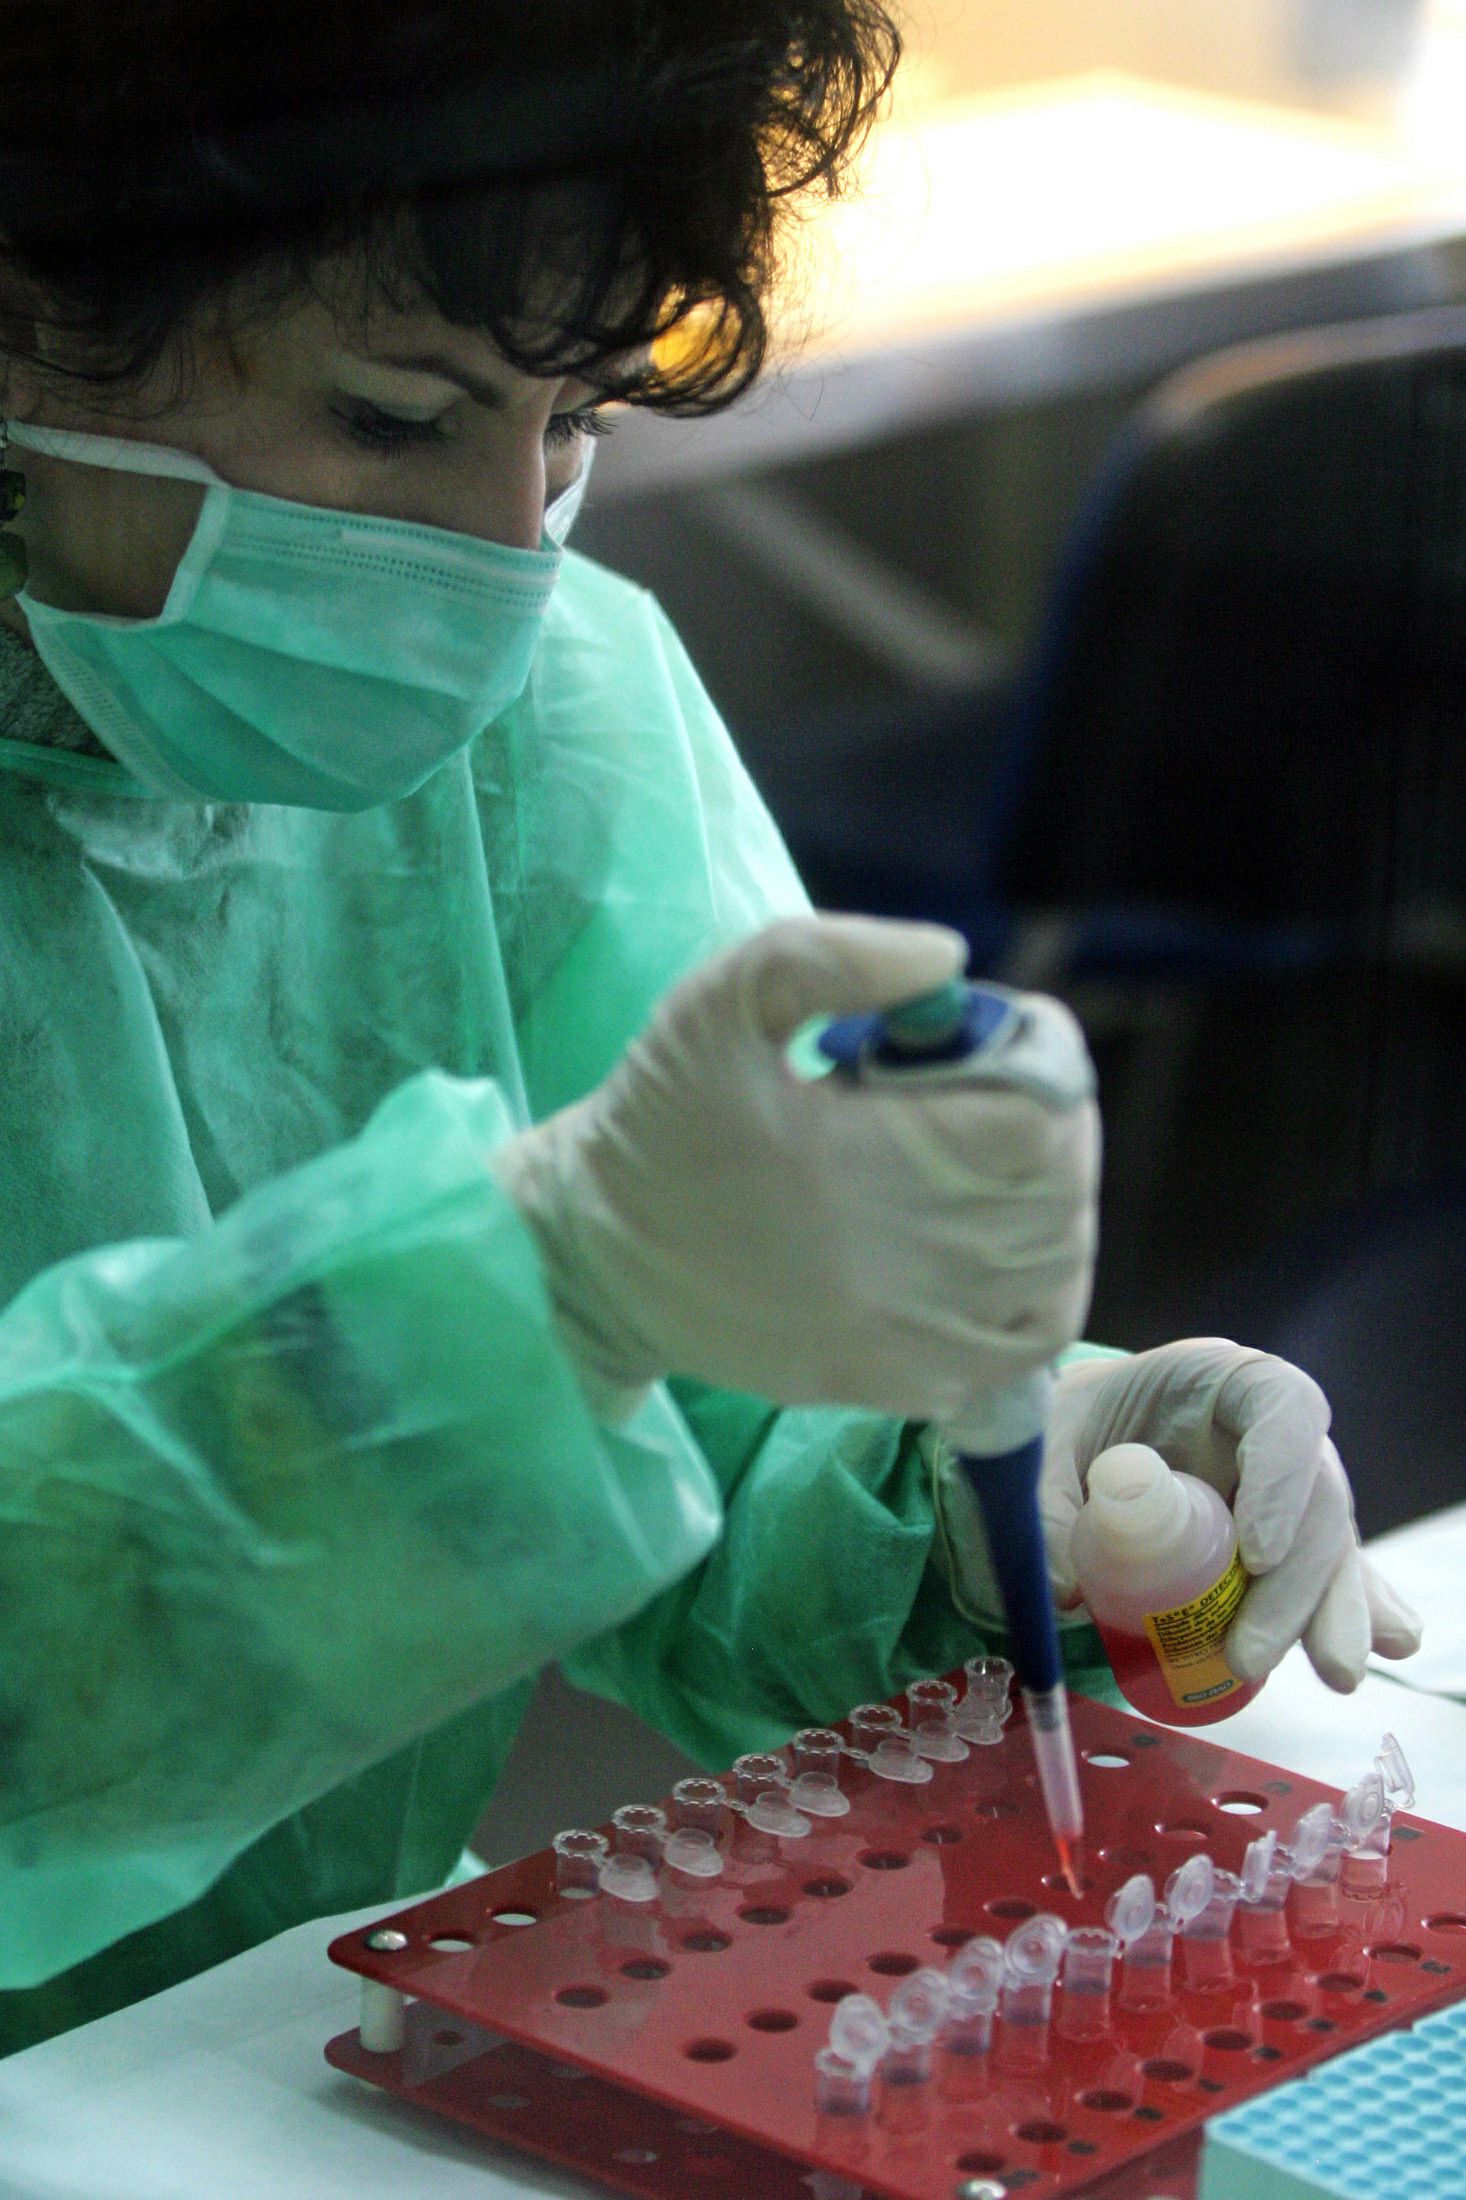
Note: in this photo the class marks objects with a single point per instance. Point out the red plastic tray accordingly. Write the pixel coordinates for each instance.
(668, 2050)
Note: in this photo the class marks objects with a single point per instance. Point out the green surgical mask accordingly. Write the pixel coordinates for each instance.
(324, 659)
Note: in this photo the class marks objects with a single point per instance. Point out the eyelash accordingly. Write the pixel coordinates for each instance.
(385, 432)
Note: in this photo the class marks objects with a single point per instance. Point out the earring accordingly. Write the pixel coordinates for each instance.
(13, 564)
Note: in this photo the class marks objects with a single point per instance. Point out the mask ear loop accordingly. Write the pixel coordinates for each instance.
(14, 564)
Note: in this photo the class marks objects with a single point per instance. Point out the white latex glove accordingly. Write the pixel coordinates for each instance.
(707, 1212)
(1255, 1426)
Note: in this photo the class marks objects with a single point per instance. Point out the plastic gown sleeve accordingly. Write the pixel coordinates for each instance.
(276, 1499)
(825, 1590)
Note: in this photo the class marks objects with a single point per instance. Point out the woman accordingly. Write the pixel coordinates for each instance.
(350, 839)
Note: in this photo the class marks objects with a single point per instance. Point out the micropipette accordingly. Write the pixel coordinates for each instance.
(985, 1034)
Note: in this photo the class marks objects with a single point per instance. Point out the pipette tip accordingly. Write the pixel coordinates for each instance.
(1071, 1863)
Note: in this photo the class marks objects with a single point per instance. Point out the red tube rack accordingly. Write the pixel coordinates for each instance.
(667, 2050)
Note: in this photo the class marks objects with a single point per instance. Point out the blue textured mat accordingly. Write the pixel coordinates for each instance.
(1386, 2121)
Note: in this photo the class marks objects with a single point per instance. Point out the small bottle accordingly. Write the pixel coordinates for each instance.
(1155, 1554)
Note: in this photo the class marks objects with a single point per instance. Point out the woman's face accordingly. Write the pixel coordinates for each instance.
(397, 414)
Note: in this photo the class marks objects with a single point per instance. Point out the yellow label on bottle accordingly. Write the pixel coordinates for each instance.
(1188, 1639)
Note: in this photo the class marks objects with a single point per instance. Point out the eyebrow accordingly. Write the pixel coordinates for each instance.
(434, 363)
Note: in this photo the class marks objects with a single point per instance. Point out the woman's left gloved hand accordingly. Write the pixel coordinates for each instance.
(1256, 1429)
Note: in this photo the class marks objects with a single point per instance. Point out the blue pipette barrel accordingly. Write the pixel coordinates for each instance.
(982, 1034)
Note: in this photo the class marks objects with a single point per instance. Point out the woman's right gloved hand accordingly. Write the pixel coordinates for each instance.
(707, 1212)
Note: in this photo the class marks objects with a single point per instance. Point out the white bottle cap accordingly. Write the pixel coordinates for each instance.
(1135, 1495)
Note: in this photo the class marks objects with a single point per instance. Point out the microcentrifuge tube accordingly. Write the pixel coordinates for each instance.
(816, 1789)
(758, 1770)
(1262, 1923)
(1365, 1815)
(699, 1803)
(974, 1984)
(1145, 1934)
(693, 1851)
(918, 2007)
(1315, 1847)
(1084, 1983)
(872, 1722)
(1206, 1952)
(1031, 1959)
(933, 1706)
(579, 1856)
(987, 1705)
(817, 1749)
(639, 1829)
(841, 2087)
(629, 1877)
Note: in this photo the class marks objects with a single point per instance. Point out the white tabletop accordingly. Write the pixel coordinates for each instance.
(217, 2090)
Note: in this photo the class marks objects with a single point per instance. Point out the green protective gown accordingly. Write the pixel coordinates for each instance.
(297, 1490)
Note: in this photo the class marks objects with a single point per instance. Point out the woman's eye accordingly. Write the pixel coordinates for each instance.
(567, 426)
(384, 431)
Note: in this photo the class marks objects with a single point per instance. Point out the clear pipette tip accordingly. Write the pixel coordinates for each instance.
(1058, 1778)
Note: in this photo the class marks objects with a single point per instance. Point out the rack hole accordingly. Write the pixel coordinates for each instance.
(1058, 1884)
(771, 2020)
(1266, 2054)
(453, 1943)
(1393, 1951)
(1446, 1921)
(942, 1837)
(764, 1913)
(1126, 1857)
(979, 2163)
(1041, 2131)
(1105, 2100)
(1145, 1741)
(995, 1806)
(645, 1967)
(1167, 2070)
(1339, 1982)
(706, 1943)
(581, 1997)
(1241, 1803)
(1228, 2039)
(892, 1964)
(1374, 1993)
(516, 1917)
(1011, 1905)
(1284, 2012)
(1083, 2146)
(1184, 1833)
(1322, 2024)
(831, 1989)
(885, 1860)
(826, 1890)
(448, 2038)
(710, 2051)
(1106, 1760)
(951, 1936)
(1147, 2113)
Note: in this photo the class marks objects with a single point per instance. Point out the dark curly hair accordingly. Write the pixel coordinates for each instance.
(573, 178)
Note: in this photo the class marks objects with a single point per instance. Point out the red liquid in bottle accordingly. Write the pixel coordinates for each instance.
(1155, 1553)
(1143, 1684)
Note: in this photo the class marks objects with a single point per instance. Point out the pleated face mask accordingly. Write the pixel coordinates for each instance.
(324, 659)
